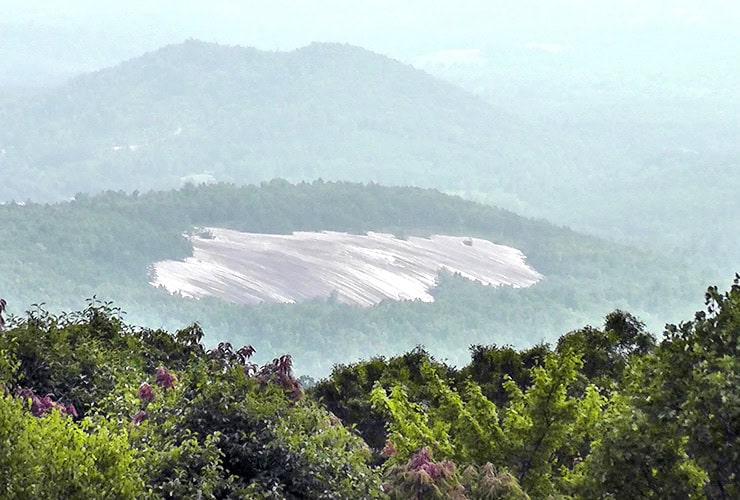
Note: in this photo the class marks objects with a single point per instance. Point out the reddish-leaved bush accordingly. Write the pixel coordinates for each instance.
(40, 406)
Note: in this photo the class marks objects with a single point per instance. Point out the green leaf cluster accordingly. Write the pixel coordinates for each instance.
(54, 457)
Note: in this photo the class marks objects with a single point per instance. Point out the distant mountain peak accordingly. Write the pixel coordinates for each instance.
(327, 110)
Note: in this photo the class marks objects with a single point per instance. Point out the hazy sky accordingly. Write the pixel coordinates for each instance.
(47, 41)
(404, 29)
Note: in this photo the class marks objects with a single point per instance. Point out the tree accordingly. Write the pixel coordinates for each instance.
(606, 353)
(674, 432)
(536, 436)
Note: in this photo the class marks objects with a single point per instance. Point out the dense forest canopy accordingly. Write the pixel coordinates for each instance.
(92, 407)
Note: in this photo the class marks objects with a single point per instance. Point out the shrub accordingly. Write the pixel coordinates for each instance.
(54, 457)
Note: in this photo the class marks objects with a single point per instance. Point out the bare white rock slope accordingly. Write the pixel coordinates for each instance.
(250, 268)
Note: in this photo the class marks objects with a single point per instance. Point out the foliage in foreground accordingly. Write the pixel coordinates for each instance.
(94, 408)
(159, 416)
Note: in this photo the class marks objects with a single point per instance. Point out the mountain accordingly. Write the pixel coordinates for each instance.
(112, 246)
(630, 168)
(205, 111)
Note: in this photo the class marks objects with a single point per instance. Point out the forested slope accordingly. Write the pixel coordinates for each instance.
(104, 245)
(239, 114)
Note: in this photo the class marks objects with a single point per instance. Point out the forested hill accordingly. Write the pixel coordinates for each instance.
(239, 114)
(104, 245)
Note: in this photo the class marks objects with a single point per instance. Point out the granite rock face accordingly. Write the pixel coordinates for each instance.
(250, 268)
